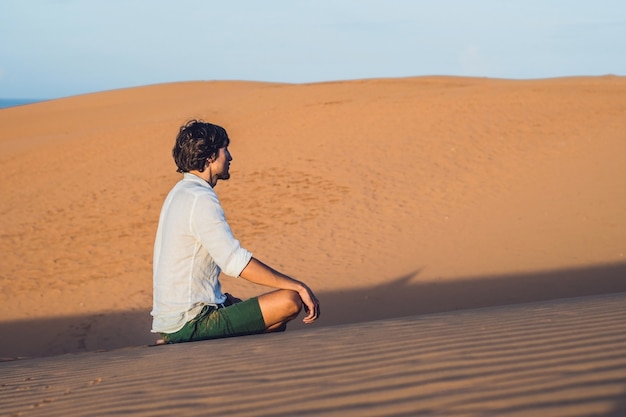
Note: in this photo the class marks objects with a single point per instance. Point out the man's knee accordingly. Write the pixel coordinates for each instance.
(280, 306)
(294, 303)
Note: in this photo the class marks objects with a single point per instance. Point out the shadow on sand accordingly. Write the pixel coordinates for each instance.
(402, 296)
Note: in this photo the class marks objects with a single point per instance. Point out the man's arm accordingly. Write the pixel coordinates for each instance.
(259, 273)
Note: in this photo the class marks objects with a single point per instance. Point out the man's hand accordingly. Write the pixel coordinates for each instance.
(311, 304)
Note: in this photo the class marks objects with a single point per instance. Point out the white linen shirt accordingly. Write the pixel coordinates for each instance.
(193, 244)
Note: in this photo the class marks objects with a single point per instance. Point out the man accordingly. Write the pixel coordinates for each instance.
(194, 243)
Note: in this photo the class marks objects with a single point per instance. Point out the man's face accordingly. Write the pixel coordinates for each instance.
(222, 164)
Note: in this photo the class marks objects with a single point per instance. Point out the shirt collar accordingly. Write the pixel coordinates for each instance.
(187, 176)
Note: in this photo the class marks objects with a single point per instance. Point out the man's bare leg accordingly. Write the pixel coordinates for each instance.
(278, 308)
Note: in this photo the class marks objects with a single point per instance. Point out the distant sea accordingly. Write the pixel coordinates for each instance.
(12, 102)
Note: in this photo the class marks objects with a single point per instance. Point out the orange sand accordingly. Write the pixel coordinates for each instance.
(390, 197)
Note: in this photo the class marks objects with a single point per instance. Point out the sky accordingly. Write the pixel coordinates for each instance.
(58, 48)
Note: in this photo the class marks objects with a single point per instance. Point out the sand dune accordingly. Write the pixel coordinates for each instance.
(389, 197)
(553, 358)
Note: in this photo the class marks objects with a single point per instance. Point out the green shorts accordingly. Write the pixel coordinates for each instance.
(212, 323)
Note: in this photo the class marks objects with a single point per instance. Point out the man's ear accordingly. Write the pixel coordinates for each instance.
(207, 162)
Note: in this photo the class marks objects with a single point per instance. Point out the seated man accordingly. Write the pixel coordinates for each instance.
(194, 243)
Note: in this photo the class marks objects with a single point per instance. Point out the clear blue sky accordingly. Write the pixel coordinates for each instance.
(57, 48)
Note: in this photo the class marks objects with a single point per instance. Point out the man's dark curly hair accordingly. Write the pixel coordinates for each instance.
(196, 142)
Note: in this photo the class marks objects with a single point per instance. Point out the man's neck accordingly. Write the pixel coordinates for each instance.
(205, 175)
